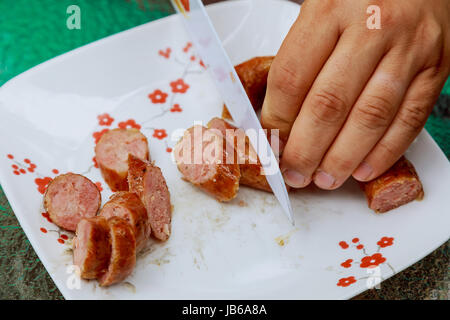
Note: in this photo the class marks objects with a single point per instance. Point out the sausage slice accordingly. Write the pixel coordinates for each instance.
(91, 247)
(71, 197)
(253, 75)
(147, 181)
(111, 153)
(396, 187)
(128, 206)
(123, 252)
(249, 164)
(206, 160)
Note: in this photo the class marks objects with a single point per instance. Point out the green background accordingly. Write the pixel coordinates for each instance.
(32, 32)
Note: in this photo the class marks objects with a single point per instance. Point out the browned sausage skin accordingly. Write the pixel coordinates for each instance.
(253, 75)
(111, 153)
(91, 247)
(128, 206)
(213, 168)
(396, 187)
(249, 164)
(71, 197)
(123, 252)
(147, 181)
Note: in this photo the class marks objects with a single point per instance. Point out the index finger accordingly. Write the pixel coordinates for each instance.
(300, 58)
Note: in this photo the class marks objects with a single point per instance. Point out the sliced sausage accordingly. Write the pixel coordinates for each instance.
(123, 252)
(206, 160)
(128, 206)
(91, 247)
(253, 75)
(71, 197)
(147, 181)
(111, 153)
(396, 187)
(249, 164)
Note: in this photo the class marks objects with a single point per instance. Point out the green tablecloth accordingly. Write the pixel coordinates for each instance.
(34, 31)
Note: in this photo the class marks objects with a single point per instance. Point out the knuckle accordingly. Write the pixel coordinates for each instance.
(297, 159)
(284, 79)
(374, 113)
(340, 164)
(328, 106)
(413, 117)
(275, 119)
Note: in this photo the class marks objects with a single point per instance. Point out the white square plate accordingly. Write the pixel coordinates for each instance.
(243, 249)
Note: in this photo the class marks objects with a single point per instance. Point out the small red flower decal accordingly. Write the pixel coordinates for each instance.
(130, 123)
(355, 240)
(168, 150)
(43, 230)
(99, 186)
(359, 246)
(159, 134)
(176, 108)
(10, 156)
(347, 263)
(105, 119)
(165, 53)
(385, 242)
(187, 47)
(42, 183)
(95, 162)
(345, 282)
(179, 86)
(343, 244)
(97, 135)
(373, 260)
(158, 96)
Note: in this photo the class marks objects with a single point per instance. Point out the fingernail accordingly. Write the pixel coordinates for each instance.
(294, 179)
(363, 171)
(324, 180)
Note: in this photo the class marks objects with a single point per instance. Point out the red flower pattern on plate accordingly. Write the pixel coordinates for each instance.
(367, 261)
(343, 244)
(42, 183)
(385, 242)
(345, 282)
(95, 162)
(374, 260)
(97, 135)
(160, 134)
(105, 119)
(165, 53)
(158, 96)
(176, 108)
(347, 263)
(99, 186)
(179, 86)
(130, 123)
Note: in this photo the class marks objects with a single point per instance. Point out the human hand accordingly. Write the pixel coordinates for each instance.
(349, 99)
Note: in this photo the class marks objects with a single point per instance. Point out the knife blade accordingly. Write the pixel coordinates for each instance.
(210, 49)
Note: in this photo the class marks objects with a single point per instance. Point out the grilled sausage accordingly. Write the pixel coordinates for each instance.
(91, 247)
(396, 187)
(123, 252)
(128, 206)
(111, 153)
(71, 197)
(206, 160)
(253, 75)
(249, 164)
(147, 181)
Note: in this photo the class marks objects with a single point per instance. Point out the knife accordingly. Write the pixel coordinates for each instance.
(210, 49)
